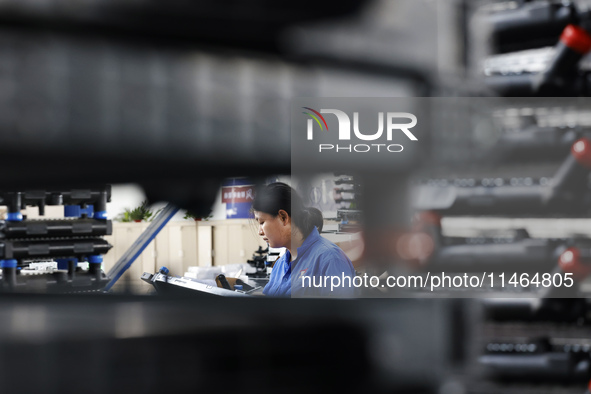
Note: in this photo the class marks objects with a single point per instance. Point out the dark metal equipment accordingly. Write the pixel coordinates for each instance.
(76, 238)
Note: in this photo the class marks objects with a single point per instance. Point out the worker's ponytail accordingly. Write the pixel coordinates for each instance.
(311, 217)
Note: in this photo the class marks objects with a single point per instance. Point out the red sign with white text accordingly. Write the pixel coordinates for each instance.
(237, 194)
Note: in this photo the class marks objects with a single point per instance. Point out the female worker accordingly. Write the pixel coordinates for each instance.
(311, 265)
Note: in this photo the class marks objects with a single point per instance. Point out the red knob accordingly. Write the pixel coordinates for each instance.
(570, 262)
(576, 38)
(581, 150)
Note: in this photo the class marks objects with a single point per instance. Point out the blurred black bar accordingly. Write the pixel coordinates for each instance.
(511, 85)
(536, 144)
(523, 255)
(563, 310)
(540, 367)
(23, 249)
(155, 345)
(55, 228)
(242, 25)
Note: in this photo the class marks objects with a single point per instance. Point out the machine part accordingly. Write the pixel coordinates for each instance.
(9, 272)
(241, 285)
(55, 228)
(221, 279)
(561, 75)
(259, 262)
(23, 249)
(170, 285)
(100, 215)
(14, 216)
(532, 24)
(140, 244)
(96, 198)
(94, 265)
(558, 77)
(567, 193)
(56, 282)
(164, 270)
(349, 215)
(548, 366)
(95, 259)
(576, 261)
(63, 264)
(527, 254)
(77, 211)
(535, 144)
(562, 310)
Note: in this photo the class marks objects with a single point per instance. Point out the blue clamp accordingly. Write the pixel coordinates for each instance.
(14, 217)
(10, 263)
(76, 211)
(238, 287)
(62, 264)
(95, 259)
(163, 270)
(100, 215)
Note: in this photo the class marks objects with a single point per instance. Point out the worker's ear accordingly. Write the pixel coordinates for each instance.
(284, 217)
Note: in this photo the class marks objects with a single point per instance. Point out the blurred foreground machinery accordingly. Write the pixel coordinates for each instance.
(535, 170)
(534, 337)
(518, 31)
(566, 193)
(164, 95)
(535, 344)
(176, 96)
(76, 238)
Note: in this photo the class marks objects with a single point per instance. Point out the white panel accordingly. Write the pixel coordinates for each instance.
(189, 244)
(205, 245)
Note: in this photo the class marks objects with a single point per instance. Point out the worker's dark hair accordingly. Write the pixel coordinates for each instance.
(279, 196)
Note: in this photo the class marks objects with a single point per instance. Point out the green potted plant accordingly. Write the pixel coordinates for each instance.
(138, 214)
(189, 215)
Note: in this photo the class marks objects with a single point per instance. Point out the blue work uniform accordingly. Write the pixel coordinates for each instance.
(317, 259)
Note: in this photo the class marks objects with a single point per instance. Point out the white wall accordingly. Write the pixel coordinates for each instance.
(122, 197)
(131, 196)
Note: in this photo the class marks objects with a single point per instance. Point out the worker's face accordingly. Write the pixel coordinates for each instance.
(275, 230)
